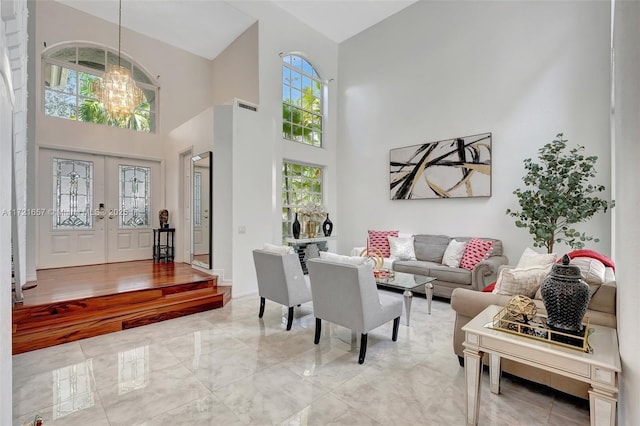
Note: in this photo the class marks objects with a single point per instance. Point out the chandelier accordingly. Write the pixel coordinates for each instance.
(118, 91)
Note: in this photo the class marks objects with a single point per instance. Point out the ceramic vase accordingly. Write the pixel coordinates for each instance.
(327, 226)
(312, 229)
(565, 296)
(296, 228)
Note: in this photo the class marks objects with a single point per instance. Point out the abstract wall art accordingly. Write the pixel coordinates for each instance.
(452, 168)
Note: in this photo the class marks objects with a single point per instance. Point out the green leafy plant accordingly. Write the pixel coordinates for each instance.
(558, 194)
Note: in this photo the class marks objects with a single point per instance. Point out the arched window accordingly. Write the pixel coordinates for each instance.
(70, 71)
(301, 101)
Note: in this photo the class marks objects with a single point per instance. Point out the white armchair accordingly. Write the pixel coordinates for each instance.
(347, 295)
(281, 280)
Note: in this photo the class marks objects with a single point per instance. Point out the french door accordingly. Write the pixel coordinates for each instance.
(95, 208)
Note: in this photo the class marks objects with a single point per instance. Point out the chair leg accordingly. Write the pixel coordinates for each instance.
(316, 339)
(396, 325)
(261, 307)
(290, 318)
(363, 348)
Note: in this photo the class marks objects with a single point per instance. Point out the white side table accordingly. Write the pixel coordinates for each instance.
(600, 368)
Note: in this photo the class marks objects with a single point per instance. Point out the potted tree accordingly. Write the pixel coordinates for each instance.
(558, 194)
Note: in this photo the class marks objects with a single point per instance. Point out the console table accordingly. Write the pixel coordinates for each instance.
(163, 248)
(599, 369)
(307, 248)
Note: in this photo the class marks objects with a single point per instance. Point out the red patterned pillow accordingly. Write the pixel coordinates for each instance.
(378, 239)
(475, 251)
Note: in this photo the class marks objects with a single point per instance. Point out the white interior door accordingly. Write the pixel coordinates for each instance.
(71, 188)
(95, 209)
(133, 195)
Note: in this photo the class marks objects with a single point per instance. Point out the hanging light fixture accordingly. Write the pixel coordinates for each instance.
(118, 91)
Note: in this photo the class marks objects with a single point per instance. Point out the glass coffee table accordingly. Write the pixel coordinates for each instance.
(406, 282)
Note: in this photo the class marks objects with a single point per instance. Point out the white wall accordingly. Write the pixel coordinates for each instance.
(235, 70)
(627, 231)
(6, 154)
(184, 98)
(13, 138)
(437, 70)
(235, 76)
(261, 157)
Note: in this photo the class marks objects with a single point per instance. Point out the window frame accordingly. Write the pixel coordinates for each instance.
(291, 208)
(47, 59)
(321, 98)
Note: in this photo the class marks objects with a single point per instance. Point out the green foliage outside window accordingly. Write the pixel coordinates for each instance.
(301, 185)
(301, 102)
(89, 109)
(70, 73)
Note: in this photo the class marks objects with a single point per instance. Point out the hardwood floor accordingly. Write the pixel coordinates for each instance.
(74, 303)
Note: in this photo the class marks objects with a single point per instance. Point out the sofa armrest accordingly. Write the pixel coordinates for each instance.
(487, 268)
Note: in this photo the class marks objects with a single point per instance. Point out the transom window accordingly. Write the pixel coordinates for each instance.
(301, 101)
(69, 75)
(301, 184)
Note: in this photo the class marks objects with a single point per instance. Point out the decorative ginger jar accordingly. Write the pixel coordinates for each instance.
(565, 296)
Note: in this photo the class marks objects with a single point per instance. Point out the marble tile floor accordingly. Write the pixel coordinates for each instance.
(227, 367)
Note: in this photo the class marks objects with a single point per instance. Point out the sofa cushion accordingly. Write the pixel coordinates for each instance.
(435, 270)
(278, 249)
(402, 248)
(449, 274)
(378, 239)
(530, 258)
(592, 270)
(430, 247)
(419, 267)
(496, 247)
(525, 281)
(476, 251)
(339, 258)
(453, 253)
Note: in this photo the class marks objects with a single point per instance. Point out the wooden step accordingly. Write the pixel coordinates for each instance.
(45, 319)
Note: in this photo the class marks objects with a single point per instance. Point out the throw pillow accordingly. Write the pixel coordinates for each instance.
(379, 240)
(278, 249)
(594, 255)
(592, 269)
(532, 258)
(401, 248)
(525, 282)
(339, 258)
(475, 251)
(453, 254)
(489, 288)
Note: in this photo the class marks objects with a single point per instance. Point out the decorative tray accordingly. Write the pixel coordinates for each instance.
(537, 328)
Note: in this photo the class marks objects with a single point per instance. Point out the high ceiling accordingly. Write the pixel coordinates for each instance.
(207, 27)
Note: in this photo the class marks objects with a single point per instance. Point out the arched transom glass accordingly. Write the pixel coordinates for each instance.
(301, 101)
(69, 79)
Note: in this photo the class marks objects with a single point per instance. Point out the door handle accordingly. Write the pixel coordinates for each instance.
(101, 211)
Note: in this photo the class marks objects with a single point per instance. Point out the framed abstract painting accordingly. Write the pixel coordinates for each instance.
(452, 168)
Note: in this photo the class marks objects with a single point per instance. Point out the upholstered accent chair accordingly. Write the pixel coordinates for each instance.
(281, 280)
(347, 295)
